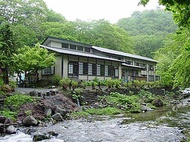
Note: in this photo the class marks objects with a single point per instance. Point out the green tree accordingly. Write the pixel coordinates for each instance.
(148, 30)
(180, 9)
(7, 49)
(32, 59)
(148, 22)
(104, 34)
(52, 16)
(172, 65)
(24, 12)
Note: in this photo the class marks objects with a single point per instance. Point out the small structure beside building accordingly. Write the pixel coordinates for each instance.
(80, 61)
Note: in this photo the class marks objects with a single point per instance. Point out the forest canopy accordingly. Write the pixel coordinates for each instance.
(150, 33)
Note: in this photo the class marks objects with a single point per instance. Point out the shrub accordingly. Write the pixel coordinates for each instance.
(74, 84)
(96, 80)
(109, 83)
(17, 100)
(6, 88)
(12, 84)
(56, 79)
(64, 83)
(116, 83)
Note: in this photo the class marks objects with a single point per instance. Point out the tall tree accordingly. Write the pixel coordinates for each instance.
(7, 49)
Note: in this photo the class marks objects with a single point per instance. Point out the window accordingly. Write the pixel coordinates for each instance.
(85, 68)
(106, 70)
(73, 47)
(102, 70)
(87, 49)
(70, 68)
(49, 70)
(80, 48)
(151, 67)
(80, 68)
(89, 69)
(98, 69)
(94, 69)
(73, 68)
(64, 45)
(110, 69)
(116, 72)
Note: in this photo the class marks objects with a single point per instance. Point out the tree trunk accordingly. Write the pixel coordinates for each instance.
(5, 76)
(37, 76)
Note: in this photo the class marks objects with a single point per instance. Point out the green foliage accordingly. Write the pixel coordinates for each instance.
(17, 100)
(28, 112)
(109, 83)
(5, 88)
(79, 114)
(33, 59)
(148, 30)
(74, 84)
(8, 47)
(9, 114)
(56, 79)
(12, 84)
(64, 83)
(180, 9)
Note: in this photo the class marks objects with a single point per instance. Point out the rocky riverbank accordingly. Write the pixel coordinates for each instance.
(48, 116)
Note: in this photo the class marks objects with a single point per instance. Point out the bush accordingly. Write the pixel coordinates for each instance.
(56, 79)
(12, 84)
(6, 88)
(64, 83)
(109, 83)
(17, 100)
(74, 84)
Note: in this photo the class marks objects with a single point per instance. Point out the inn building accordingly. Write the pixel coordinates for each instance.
(81, 61)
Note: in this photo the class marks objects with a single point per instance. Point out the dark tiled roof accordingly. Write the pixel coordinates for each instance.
(123, 54)
(78, 53)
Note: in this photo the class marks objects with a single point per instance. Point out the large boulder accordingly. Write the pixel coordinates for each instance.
(30, 121)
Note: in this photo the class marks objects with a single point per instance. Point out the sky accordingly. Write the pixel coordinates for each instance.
(87, 10)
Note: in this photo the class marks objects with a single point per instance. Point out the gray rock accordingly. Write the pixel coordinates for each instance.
(40, 137)
(57, 117)
(11, 129)
(48, 112)
(30, 121)
(63, 112)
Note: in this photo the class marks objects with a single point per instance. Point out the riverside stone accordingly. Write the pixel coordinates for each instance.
(30, 121)
(11, 129)
(57, 117)
(40, 137)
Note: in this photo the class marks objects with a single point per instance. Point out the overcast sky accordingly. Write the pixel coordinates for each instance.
(111, 10)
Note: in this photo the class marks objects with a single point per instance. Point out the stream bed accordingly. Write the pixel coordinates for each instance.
(163, 125)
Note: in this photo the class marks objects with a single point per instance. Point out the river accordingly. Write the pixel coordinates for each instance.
(162, 125)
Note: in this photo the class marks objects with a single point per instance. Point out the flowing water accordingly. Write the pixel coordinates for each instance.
(162, 125)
